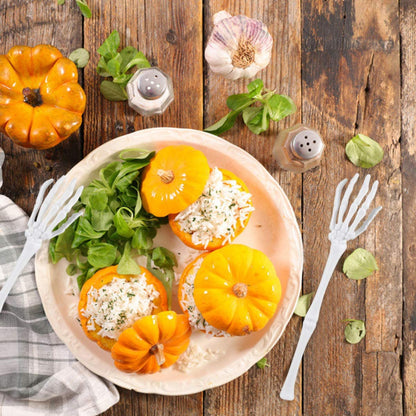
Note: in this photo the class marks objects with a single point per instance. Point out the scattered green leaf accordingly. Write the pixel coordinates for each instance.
(354, 331)
(257, 108)
(80, 57)
(83, 6)
(116, 65)
(304, 302)
(363, 151)
(61, 2)
(262, 363)
(359, 264)
(112, 91)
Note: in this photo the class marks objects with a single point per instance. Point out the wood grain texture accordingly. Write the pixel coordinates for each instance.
(408, 145)
(350, 55)
(32, 22)
(257, 391)
(350, 66)
(170, 35)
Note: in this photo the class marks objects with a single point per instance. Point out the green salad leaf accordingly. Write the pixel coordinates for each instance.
(359, 264)
(115, 228)
(303, 304)
(116, 64)
(262, 363)
(258, 106)
(354, 331)
(363, 151)
(80, 57)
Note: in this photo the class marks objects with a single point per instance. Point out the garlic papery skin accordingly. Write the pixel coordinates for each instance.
(238, 47)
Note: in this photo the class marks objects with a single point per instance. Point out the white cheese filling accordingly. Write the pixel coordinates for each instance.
(117, 305)
(216, 212)
(196, 320)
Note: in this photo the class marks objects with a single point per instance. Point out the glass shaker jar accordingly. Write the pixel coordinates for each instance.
(298, 148)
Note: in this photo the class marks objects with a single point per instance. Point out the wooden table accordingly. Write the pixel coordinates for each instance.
(350, 68)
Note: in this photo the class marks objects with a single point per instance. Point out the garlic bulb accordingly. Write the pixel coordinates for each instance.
(238, 47)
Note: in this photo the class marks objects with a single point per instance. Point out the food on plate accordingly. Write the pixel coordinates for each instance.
(236, 289)
(186, 299)
(41, 102)
(152, 343)
(110, 302)
(114, 227)
(218, 216)
(174, 179)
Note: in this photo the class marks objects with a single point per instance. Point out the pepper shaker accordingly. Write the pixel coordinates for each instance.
(298, 148)
(149, 91)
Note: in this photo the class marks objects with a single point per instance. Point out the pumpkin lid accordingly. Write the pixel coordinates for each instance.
(236, 289)
(174, 179)
(154, 342)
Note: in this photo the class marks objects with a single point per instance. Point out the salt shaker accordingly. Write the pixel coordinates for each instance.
(150, 91)
(298, 148)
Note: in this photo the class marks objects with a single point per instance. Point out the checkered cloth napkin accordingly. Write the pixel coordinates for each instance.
(38, 374)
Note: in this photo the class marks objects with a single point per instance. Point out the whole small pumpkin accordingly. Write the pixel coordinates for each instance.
(236, 289)
(41, 102)
(174, 179)
(154, 342)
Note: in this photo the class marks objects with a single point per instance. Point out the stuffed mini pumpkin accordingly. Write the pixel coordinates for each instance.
(236, 289)
(109, 301)
(154, 342)
(41, 102)
(218, 216)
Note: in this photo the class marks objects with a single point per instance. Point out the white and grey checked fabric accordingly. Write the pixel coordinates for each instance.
(38, 374)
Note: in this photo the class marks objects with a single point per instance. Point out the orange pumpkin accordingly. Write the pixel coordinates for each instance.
(104, 277)
(41, 102)
(236, 289)
(154, 342)
(215, 242)
(187, 303)
(174, 179)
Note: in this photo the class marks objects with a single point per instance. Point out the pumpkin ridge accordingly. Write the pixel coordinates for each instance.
(267, 308)
(17, 73)
(51, 91)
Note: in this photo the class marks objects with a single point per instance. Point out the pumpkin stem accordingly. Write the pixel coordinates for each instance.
(157, 350)
(166, 176)
(244, 55)
(240, 290)
(32, 97)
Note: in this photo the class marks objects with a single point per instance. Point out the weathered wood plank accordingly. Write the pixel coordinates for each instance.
(351, 84)
(170, 35)
(32, 22)
(408, 145)
(257, 391)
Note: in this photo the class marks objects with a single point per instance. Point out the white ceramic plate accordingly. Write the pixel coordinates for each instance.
(272, 229)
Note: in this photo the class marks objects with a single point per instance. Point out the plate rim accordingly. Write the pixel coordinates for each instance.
(156, 387)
